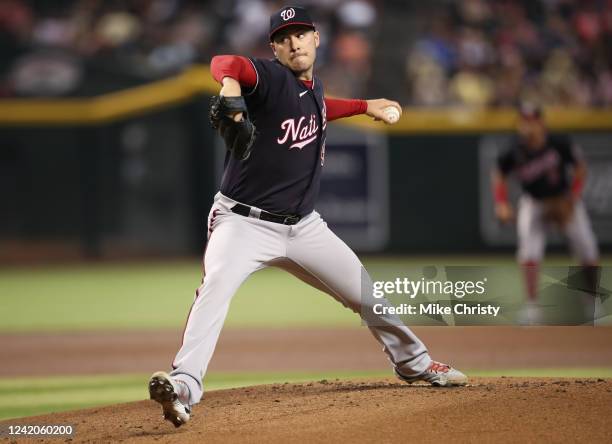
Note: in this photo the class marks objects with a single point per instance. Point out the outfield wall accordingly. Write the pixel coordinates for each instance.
(134, 172)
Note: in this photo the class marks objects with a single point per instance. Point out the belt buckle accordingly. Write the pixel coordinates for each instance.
(291, 220)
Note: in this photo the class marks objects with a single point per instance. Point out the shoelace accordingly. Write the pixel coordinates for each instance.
(438, 367)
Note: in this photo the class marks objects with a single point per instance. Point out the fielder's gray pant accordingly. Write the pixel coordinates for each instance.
(532, 228)
(239, 246)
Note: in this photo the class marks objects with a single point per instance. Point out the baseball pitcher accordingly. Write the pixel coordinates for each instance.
(272, 115)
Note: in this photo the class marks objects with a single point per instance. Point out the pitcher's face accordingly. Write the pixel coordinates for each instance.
(296, 47)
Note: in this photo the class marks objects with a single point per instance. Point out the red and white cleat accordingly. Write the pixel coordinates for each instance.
(437, 374)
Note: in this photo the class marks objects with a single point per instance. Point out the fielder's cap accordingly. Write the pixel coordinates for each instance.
(530, 111)
(289, 16)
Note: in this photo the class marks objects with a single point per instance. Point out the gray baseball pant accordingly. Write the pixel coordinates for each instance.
(239, 246)
(532, 228)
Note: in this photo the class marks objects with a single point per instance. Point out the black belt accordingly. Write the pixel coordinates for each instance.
(245, 210)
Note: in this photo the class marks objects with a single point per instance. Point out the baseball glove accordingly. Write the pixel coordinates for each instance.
(558, 210)
(238, 136)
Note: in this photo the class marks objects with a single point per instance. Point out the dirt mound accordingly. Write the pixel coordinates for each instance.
(490, 409)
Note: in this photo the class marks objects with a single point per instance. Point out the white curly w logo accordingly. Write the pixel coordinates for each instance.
(288, 13)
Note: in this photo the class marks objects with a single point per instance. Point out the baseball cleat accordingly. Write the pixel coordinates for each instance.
(530, 314)
(437, 374)
(164, 390)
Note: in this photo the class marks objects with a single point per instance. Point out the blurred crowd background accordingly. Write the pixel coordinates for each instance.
(434, 53)
(480, 52)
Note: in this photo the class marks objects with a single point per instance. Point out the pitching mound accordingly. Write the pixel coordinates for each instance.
(497, 409)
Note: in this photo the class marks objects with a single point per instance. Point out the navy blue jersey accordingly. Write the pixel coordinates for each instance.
(544, 172)
(282, 174)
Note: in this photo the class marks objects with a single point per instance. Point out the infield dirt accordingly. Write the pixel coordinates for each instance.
(259, 350)
(360, 411)
(489, 410)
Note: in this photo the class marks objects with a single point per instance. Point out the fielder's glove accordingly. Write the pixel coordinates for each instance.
(238, 136)
(559, 210)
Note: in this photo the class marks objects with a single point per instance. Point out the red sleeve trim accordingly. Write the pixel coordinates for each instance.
(577, 187)
(236, 67)
(339, 108)
(500, 193)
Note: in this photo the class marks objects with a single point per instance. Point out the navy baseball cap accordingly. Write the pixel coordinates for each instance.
(289, 16)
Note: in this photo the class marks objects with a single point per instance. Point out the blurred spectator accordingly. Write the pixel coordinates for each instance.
(45, 73)
(348, 75)
(428, 79)
(472, 88)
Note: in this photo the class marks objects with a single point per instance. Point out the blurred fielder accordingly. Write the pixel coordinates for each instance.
(552, 173)
(272, 115)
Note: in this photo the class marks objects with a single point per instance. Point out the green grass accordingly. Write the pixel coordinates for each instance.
(37, 396)
(153, 295)
(159, 294)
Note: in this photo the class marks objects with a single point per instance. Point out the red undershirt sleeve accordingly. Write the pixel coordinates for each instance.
(241, 69)
(236, 67)
(338, 108)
